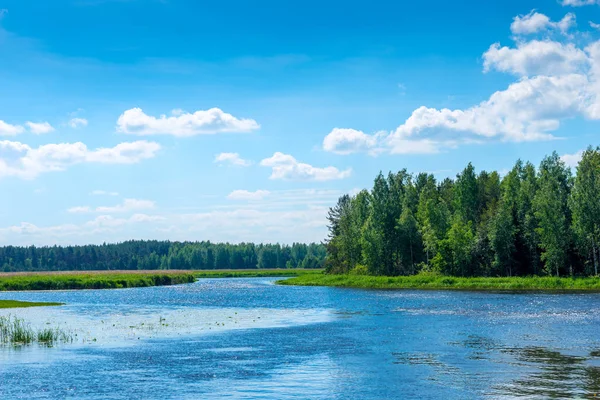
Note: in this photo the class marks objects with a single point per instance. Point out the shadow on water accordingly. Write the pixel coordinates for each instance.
(543, 372)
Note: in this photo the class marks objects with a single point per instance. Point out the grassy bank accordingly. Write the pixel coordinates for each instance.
(127, 279)
(23, 304)
(91, 280)
(445, 282)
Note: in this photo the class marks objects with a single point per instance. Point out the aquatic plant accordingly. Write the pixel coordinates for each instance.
(23, 304)
(15, 331)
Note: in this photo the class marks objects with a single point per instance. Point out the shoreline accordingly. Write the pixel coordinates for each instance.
(79, 280)
(434, 282)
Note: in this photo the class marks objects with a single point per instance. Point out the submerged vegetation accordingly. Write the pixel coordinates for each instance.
(164, 255)
(432, 281)
(15, 331)
(98, 280)
(23, 304)
(527, 223)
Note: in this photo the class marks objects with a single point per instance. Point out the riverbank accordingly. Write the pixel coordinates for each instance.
(23, 304)
(91, 280)
(62, 280)
(436, 282)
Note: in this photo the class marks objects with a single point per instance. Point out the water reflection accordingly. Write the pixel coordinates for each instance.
(248, 338)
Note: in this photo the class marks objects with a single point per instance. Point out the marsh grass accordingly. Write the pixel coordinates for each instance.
(15, 331)
(439, 282)
(23, 304)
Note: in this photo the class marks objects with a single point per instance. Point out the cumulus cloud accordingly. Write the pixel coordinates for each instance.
(77, 122)
(22, 161)
(348, 141)
(535, 58)
(286, 167)
(572, 160)
(557, 80)
(181, 124)
(579, 3)
(535, 22)
(232, 159)
(7, 129)
(39, 128)
(247, 195)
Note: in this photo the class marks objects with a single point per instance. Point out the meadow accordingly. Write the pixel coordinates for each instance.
(127, 279)
(440, 282)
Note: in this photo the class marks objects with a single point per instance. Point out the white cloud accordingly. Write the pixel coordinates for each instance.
(39, 128)
(136, 122)
(127, 205)
(79, 210)
(572, 160)
(594, 25)
(579, 3)
(529, 23)
(7, 129)
(348, 141)
(535, 58)
(535, 22)
(77, 122)
(247, 195)
(286, 167)
(22, 161)
(232, 158)
(103, 193)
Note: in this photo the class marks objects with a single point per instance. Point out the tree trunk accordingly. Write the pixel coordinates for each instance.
(594, 257)
(412, 260)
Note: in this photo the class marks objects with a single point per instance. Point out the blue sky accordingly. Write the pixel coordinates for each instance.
(244, 121)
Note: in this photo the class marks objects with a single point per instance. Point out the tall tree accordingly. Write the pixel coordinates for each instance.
(552, 212)
(585, 204)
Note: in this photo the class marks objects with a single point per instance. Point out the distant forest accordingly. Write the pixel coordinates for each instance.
(527, 222)
(151, 254)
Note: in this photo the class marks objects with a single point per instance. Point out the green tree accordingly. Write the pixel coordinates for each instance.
(585, 204)
(552, 212)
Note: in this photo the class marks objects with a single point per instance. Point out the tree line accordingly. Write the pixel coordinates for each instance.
(527, 222)
(152, 254)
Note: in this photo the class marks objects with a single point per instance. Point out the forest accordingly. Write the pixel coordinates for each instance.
(152, 254)
(543, 221)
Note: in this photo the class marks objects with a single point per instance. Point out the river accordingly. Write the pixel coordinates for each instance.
(248, 338)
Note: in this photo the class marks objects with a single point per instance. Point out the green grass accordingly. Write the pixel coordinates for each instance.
(91, 280)
(22, 304)
(15, 331)
(128, 279)
(445, 282)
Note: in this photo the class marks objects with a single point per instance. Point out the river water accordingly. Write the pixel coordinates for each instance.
(252, 339)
